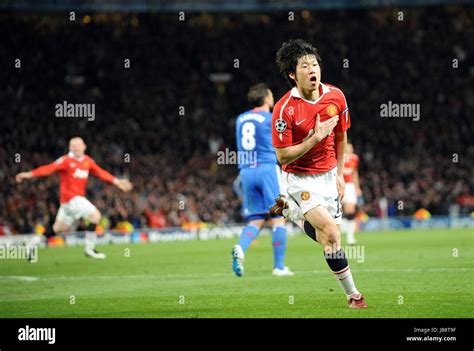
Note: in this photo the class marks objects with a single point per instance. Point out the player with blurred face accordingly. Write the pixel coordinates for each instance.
(77, 147)
(74, 169)
(349, 202)
(309, 135)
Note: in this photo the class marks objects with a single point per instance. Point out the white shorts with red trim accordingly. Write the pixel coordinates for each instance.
(313, 190)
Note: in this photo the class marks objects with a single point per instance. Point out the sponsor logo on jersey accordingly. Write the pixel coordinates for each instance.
(80, 173)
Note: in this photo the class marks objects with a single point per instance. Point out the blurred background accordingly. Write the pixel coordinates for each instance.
(190, 66)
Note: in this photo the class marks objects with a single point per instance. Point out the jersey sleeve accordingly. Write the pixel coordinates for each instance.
(46, 170)
(101, 173)
(282, 124)
(344, 122)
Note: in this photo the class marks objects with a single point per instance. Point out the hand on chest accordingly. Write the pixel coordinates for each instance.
(304, 115)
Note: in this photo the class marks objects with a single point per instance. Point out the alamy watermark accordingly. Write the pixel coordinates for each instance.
(18, 252)
(352, 252)
(392, 109)
(37, 334)
(66, 109)
(230, 157)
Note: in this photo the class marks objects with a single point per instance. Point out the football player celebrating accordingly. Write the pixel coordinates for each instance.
(74, 169)
(309, 136)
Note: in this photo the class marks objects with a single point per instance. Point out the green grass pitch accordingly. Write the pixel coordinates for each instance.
(422, 273)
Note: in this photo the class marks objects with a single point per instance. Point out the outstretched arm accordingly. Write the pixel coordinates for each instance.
(122, 184)
(41, 171)
(23, 175)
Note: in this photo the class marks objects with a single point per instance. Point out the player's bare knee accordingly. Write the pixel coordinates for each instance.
(349, 209)
(278, 222)
(331, 234)
(257, 223)
(60, 227)
(56, 228)
(95, 217)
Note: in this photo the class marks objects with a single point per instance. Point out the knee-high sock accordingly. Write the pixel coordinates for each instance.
(35, 240)
(249, 233)
(337, 261)
(279, 246)
(91, 237)
(351, 228)
(344, 225)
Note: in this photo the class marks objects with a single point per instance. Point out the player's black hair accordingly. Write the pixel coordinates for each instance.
(257, 94)
(290, 52)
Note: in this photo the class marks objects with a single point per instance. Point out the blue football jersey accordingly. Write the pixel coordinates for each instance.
(254, 139)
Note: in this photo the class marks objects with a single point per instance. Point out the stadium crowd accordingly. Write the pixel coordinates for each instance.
(161, 117)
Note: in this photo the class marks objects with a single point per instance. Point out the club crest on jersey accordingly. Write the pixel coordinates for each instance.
(305, 195)
(331, 110)
(280, 125)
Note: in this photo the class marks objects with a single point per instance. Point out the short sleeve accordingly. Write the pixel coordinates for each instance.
(282, 122)
(344, 122)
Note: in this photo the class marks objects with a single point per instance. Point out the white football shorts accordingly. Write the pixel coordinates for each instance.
(73, 210)
(312, 190)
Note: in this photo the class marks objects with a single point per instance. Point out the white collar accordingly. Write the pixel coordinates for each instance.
(295, 93)
(71, 155)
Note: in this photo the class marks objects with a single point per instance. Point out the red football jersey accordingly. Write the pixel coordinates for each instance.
(73, 174)
(294, 117)
(350, 166)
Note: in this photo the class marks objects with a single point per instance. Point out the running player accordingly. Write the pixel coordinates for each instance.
(309, 135)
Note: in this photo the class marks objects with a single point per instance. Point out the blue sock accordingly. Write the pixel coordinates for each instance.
(279, 246)
(249, 233)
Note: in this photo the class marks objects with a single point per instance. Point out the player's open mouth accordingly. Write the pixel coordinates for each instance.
(313, 79)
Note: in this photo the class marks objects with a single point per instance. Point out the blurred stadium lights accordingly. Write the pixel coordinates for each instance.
(208, 5)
